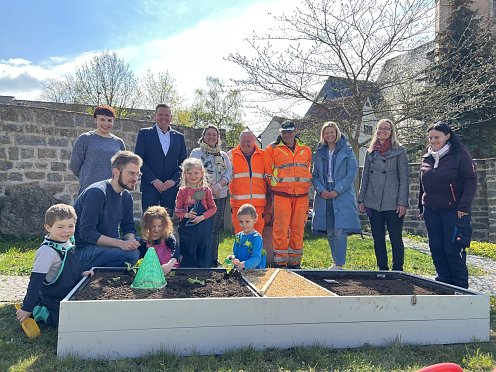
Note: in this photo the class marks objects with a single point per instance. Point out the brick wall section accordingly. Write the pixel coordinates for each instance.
(36, 145)
(483, 207)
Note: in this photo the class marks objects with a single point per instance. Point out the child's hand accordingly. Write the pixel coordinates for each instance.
(238, 264)
(166, 268)
(88, 273)
(191, 214)
(22, 315)
(198, 219)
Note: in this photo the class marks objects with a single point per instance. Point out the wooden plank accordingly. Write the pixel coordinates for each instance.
(269, 311)
(207, 340)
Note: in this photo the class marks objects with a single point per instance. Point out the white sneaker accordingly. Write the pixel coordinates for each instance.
(335, 267)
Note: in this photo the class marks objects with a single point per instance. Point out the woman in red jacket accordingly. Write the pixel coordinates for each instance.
(448, 183)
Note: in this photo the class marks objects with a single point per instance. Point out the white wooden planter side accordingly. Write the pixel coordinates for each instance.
(130, 328)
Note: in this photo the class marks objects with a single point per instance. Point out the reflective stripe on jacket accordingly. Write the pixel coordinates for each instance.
(289, 172)
(243, 188)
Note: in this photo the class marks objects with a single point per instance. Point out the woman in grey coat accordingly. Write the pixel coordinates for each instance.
(335, 208)
(218, 171)
(384, 192)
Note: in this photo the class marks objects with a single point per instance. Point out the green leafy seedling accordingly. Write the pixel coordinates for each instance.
(130, 268)
(114, 280)
(196, 281)
(229, 264)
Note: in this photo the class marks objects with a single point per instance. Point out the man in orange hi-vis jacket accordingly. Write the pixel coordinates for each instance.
(248, 184)
(287, 168)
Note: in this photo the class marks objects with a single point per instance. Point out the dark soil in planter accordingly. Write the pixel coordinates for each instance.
(117, 286)
(369, 286)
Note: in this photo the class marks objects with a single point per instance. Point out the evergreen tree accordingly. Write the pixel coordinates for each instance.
(462, 79)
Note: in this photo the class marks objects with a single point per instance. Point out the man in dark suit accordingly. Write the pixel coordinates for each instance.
(163, 150)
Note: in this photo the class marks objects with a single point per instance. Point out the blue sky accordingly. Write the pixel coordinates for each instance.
(43, 29)
(190, 39)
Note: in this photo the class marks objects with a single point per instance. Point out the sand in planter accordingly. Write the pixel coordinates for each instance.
(285, 284)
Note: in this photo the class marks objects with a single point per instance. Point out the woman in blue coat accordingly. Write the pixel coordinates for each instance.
(335, 206)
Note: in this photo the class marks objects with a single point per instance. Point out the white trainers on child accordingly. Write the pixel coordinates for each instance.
(335, 267)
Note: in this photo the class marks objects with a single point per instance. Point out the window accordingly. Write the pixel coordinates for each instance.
(367, 129)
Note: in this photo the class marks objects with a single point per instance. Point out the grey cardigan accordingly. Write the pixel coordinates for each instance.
(385, 183)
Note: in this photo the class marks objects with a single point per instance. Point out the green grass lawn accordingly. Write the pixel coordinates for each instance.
(20, 354)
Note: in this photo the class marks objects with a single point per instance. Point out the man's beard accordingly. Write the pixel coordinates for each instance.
(123, 185)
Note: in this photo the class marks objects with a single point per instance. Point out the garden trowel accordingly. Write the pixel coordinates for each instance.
(29, 325)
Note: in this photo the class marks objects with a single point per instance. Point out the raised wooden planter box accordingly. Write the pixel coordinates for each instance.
(131, 328)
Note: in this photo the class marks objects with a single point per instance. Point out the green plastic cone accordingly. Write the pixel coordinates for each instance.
(150, 274)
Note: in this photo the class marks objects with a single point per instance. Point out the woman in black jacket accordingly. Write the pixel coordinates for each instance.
(448, 183)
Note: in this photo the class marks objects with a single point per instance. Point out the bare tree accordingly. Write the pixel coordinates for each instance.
(160, 88)
(105, 79)
(322, 38)
(60, 91)
(221, 106)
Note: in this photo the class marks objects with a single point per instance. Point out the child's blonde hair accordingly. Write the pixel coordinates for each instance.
(192, 163)
(59, 212)
(247, 210)
(156, 213)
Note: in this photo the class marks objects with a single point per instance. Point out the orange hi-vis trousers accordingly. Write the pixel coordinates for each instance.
(259, 226)
(290, 216)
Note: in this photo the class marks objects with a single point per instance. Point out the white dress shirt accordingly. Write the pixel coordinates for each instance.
(164, 138)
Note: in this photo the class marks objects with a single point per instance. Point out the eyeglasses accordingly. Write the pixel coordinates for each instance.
(132, 174)
(383, 129)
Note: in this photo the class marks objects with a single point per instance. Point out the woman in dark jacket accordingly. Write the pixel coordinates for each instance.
(384, 192)
(448, 183)
(335, 207)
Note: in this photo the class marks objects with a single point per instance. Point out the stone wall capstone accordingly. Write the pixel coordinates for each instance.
(35, 150)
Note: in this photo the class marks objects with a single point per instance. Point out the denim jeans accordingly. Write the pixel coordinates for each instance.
(378, 222)
(449, 258)
(337, 237)
(101, 256)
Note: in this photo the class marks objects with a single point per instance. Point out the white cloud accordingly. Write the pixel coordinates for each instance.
(189, 56)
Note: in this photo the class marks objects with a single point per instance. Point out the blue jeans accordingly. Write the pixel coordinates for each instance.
(449, 259)
(337, 237)
(101, 256)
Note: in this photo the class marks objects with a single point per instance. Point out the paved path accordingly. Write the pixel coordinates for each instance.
(485, 283)
(13, 288)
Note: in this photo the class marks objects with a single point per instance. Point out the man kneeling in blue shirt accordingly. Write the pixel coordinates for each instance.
(104, 207)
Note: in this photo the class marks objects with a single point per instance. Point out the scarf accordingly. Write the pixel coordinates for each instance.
(220, 164)
(210, 150)
(438, 154)
(382, 148)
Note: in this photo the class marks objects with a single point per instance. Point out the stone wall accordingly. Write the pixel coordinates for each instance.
(483, 207)
(35, 150)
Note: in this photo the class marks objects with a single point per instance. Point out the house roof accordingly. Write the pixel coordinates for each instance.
(335, 100)
(278, 119)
